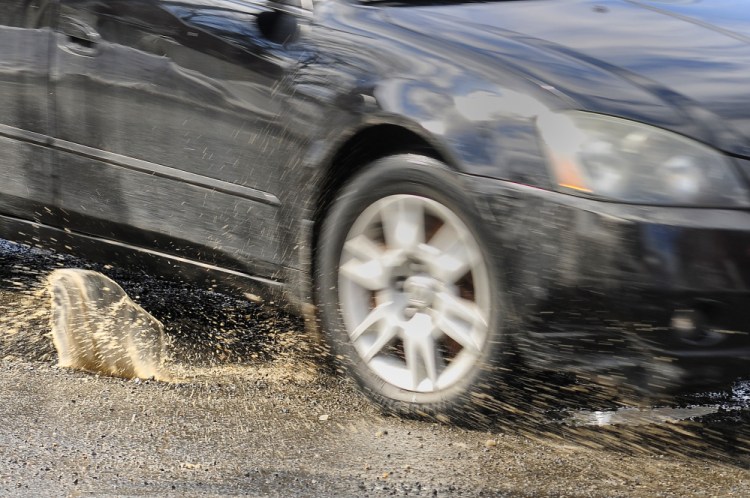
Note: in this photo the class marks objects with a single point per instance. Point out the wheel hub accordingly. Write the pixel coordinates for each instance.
(420, 291)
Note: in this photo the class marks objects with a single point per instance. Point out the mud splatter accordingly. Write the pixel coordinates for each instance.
(96, 327)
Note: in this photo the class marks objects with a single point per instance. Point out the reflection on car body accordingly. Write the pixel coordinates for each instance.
(444, 187)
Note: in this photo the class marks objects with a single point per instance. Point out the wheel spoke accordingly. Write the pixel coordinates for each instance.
(385, 336)
(444, 238)
(450, 305)
(367, 267)
(428, 352)
(460, 333)
(403, 224)
(363, 248)
(420, 350)
(378, 314)
(369, 275)
(448, 256)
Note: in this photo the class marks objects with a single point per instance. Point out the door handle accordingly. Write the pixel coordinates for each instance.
(80, 38)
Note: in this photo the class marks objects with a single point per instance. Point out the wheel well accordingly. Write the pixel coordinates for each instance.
(363, 148)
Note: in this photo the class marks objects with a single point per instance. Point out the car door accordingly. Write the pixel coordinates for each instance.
(26, 177)
(170, 126)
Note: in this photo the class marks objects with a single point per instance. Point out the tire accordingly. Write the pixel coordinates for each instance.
(420, 327)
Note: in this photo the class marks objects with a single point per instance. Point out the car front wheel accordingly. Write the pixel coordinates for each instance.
(408, 293)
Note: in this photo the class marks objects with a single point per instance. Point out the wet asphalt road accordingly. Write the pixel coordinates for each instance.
(258, 416)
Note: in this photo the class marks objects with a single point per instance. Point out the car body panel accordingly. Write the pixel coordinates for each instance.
(193, 162)
(596, 286)
(681, 68)
(27, 187)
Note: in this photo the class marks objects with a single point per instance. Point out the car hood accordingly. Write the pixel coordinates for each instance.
(680, 64)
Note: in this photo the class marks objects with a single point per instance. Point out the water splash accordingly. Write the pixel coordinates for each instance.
(96, 327)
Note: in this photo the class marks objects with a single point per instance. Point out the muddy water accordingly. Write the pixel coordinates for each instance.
(638, 416)
(59, 309)
(196, 336)
(96, 327)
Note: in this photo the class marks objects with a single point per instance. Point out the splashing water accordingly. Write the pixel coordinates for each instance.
(96, 327)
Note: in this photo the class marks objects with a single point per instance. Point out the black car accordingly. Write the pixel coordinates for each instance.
(445, 187)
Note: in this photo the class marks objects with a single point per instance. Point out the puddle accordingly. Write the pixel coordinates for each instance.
(638, 416)
(739, 399)
(96, 327)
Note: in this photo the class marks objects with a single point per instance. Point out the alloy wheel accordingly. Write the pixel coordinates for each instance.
(414, 293)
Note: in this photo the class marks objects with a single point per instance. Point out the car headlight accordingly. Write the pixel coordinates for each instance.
(626, 161)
